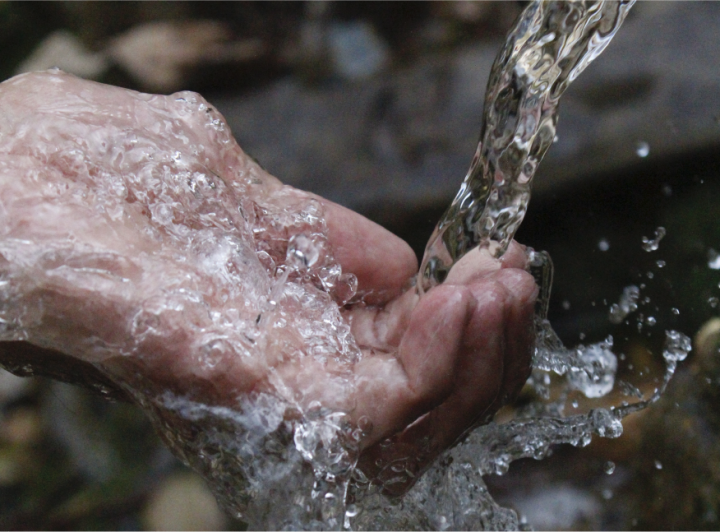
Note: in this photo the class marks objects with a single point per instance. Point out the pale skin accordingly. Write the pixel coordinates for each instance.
(433, 366)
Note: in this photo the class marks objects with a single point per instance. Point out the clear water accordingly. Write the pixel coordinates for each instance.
(278, 458)
(548, 48)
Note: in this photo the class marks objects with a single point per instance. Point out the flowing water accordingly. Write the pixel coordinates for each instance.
(279, 458)
(548, 48)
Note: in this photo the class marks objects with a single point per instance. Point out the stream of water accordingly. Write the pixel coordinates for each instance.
(547, 49)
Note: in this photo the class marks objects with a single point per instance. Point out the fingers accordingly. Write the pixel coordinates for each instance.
(394, 391)
(520, 332)
(492, 361)
(382, 262)
(514, 257)
(479, 263)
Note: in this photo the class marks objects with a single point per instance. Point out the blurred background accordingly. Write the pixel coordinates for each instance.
(377, 106)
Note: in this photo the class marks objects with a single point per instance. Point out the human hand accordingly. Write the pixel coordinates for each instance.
(137, 236)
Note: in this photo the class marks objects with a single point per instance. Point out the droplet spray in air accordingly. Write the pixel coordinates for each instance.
(643, 149)
(713, 259)
(654, 243)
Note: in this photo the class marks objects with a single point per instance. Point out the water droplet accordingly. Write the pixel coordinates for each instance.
(675, 311)
(650, 321)
(658, 464)
(566, 305)
(627, 304)
(609, 467)
(642, 149)
(713, 259)
(650, 275)
(603, 245)
(653, 244)
(713, 302)
(667, 190)
(660, 263)
(607, 494)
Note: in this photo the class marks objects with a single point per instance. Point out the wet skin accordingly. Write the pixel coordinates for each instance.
(432, 366)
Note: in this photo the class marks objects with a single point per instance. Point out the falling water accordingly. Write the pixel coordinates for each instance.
(548, 48)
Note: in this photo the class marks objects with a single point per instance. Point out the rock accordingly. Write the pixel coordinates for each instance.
(183, 502)
(356, 50)
(96, 23)
(469, 11)
(707, 345)
(560, 507)
(21, 426)
(12, 387)
(64, 50)
(161, 56)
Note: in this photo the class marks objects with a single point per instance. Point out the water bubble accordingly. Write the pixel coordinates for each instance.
(660, 263)
(642, 149)
(653, 244)
(658, 464)
(677, 346)
(302, 252)
(667, 190)
(609, 467)
(603, 244)
(713, 301)
(566, 305)
(650, 275)
(607, 494)
(675, 311)
(650, 321)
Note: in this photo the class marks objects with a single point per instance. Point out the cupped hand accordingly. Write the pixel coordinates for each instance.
(137, 236)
